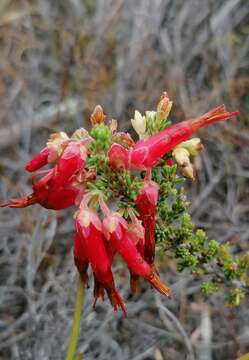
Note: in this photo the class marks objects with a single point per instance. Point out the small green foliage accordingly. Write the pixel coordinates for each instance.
(176, 233)
(172, 202)
(101, 135)
(122, 185)
(97, 161)
(99, 186)
(235, 296)
(126, 185)
(155, 123)
(211, 287)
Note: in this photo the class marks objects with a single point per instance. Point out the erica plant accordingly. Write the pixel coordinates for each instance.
(130, 200)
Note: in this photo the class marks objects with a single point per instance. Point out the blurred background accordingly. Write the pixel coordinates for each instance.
(58, 59)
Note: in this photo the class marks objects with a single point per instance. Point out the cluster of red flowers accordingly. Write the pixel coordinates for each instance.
(99, 235)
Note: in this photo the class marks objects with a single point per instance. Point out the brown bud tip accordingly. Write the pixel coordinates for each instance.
(97, 116)
(155, 281)
(113, 125)
(189, 171)
(164, 95)
(163, 103)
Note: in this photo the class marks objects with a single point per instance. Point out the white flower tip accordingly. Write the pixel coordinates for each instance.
(139, 123)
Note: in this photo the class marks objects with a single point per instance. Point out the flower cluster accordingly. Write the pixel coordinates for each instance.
(117, 185)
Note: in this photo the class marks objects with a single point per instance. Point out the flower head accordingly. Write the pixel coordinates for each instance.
(94, 171)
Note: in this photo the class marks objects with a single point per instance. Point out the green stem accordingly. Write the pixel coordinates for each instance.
(76, 321)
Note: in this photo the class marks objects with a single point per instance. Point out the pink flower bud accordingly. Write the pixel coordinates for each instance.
(118, 157)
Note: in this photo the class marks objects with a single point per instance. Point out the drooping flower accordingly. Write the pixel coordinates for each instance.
(59, 187)
(136, 234)
(91, 242)
(116, 232)
(48, 195)
(146, 203)
(80, 257)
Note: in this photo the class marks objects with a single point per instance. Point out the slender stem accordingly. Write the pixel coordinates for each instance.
(76, 321)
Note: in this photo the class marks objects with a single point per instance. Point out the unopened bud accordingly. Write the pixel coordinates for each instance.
(150, 116)
(181, 156)
(164, 106)
(169, 162)
(139, 124)
(97, 116)
(193, 146)
(188, 171)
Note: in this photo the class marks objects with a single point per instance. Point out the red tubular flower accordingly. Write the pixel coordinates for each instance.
(146, 203)
(146, 153)
(70, 162)
(47, 194)
(80, 257)
(136, 234)
(39, 160)
(58, 188)
(116, 231)
(55, 146)
(91, 240)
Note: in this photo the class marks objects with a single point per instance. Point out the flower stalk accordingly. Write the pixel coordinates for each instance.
(75, 327)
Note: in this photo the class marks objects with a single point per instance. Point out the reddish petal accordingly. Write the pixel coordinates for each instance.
(146, 205)
(98, 291)
(116, 300)
(161, 143)
(71, 161)
(39, 160)
(59, 199)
